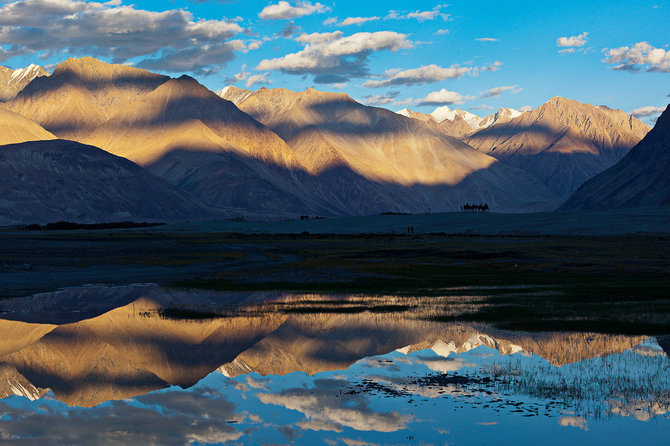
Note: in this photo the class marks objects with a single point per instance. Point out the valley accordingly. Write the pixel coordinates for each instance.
(184, 265)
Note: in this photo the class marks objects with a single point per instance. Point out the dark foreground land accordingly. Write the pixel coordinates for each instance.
(614, 283)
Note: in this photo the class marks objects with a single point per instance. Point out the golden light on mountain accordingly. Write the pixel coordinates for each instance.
(15, 128)
(562, 142)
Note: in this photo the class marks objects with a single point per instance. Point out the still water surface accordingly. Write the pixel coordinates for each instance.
(144, 365)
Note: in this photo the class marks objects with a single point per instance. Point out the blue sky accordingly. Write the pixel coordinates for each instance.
(477, 56)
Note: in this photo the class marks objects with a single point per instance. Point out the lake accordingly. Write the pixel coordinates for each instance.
(144, 364)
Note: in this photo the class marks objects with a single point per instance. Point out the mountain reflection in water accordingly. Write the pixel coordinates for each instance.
(145, 365)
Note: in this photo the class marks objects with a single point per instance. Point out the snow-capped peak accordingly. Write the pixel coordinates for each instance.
(404, 112)
(510, 113)
(443, 349)
(443, 113)
(234, 94)
(472, 120)
(504, 114)
(31, 71)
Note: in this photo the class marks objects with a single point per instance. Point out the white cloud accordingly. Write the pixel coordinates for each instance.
(495, 66)
(171, 40)
(284, 10)
(486, 39)
(639, 55)
(336, 59)
(289, 30)
(255, 44)
(446, 365)
(258, 79)
(497, 91)
(316, 38)
(256, 384)
(572, 421)
(418, 76)
(319, 425)
(165, 418)
(354, 442)
(444, 97)
(330, 21)
(324, 408)
(649, 110)
(205, 60)
(403, 102)
(378, 100)
(573, 41)
(442, 31)
(384, 99)
(421, 16)
(242, 75)
(427, 15)
(525, 108)
(357, 20)
(481, 107)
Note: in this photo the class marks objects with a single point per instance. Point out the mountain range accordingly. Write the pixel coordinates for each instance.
(460, 123)
(193, 138)
(275, 153)
(563, 142)
(639, 179)
(373, 160)
(81, 94)
(456, 127)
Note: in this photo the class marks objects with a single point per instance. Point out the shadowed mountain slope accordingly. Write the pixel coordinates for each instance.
(181, 113)
(641, 178)
(563, 142)
(406, 159)
(14, 128)
(45, 181)
(194, 139)
(13, 81)
(176, 127)
(293, 153)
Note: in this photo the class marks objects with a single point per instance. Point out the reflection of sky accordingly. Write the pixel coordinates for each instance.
(379, 400)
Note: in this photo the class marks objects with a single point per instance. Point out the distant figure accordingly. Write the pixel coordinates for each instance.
(412, 228)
